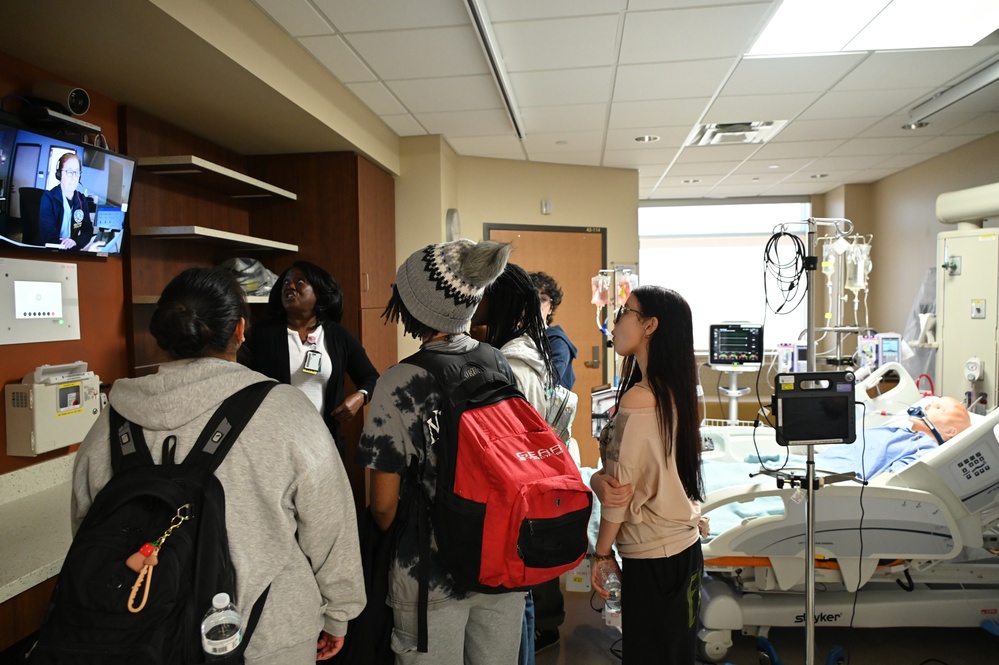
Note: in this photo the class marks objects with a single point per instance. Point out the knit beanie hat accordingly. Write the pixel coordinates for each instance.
(441, 285)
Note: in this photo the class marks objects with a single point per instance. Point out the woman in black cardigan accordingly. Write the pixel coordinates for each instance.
(303, 343)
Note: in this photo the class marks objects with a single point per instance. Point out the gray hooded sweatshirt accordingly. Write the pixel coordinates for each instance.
(289, 509)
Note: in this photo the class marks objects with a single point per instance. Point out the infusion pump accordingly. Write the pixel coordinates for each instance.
(53, 407)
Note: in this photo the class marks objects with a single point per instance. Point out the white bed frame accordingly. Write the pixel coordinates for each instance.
(911, 550)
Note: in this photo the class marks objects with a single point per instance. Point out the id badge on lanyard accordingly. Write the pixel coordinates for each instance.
(313, 359)
(313, 362)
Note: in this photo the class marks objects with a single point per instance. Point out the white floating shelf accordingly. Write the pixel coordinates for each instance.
(205, 234)
(203, 173)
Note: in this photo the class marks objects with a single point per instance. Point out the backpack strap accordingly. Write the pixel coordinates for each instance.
(226, 424)
(128, 444)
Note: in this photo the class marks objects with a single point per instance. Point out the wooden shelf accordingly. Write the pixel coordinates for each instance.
(213, 236)
(152, 300)
(203, 173)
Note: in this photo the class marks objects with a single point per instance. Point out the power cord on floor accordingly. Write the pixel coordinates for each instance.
(616, 649)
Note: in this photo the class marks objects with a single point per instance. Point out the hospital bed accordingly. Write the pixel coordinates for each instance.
(916, 548)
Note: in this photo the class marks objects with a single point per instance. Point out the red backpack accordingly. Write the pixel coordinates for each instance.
(511, 510)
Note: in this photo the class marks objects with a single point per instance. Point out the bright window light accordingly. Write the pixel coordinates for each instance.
(828, 26)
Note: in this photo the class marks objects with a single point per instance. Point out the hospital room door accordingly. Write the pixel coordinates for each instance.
(571, 255)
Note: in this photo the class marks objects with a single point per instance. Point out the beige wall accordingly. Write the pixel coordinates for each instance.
(502, 191)
(906, 227)
(433, 178)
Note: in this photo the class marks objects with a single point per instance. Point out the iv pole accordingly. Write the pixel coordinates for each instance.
(811, 262)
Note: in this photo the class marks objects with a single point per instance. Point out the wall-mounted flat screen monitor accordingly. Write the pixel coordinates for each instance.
(736, 346)
(61, 194)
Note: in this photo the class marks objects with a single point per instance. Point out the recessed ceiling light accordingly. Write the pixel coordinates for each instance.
(915, 125)
(756, 179)
(774, 166)
(561, 142)
(817, 176)
(690, 181)
(648, 138)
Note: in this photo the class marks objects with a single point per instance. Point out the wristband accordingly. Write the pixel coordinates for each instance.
(603, 557)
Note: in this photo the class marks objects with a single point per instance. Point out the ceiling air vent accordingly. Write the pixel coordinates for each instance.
(735, 133)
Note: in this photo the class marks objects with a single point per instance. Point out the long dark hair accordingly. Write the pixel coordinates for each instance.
(514, 309)
(197, 313)
(329, 295)
(396, 311)
(672, 378)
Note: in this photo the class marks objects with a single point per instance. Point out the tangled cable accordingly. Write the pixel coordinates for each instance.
(788, 274)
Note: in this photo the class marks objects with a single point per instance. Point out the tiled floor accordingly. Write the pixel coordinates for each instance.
(585, 640)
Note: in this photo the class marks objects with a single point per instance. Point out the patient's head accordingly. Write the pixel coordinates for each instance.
(947, 414)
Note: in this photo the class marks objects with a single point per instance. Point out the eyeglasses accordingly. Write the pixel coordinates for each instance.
(621, 311)
(70, 173)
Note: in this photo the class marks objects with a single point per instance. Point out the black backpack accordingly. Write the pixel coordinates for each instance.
(90, 619)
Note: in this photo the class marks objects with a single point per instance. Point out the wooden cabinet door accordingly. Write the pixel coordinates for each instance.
(376, 233)
(572, 256)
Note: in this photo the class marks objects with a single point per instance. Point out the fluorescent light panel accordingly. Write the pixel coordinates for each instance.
(828, 26)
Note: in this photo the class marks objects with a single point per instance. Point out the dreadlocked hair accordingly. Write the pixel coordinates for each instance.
(515, 310)
(396, 311)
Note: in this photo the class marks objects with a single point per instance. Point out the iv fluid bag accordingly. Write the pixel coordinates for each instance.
(858, 264)
(828, 259)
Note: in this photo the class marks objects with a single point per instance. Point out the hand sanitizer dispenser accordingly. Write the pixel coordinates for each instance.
(53, 407)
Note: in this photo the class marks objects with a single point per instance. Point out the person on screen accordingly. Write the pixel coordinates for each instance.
(63, 214)
(891, 449)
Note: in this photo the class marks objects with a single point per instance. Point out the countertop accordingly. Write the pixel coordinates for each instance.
(35, 529)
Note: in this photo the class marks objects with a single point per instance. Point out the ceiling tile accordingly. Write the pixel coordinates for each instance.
(750, 179)
(404, 125)
(429, 53)
(624, 139)
(831, 128)
(466, 123)
(892, 126)
(559, 142)
(822, 184)
(571, 118)
(587, 158)
(625, 115)
(644, 5)
(674, 80)
(687, 169)
(690, 34)
(904, 161)
(986, 123)
(454, 93)
(503, 144)
(733, 154)
(521, 10)
(377, 97)
(298, 17)
(635, 159)
(568, 43)
(941, 144)
(557, 88)
(796, 149)
(862, 103)
(765, 76)
(378, 15)
(914, 69)
(336, 56)
(784, 166)
(845, 163)
(890, 146)
(760, 107)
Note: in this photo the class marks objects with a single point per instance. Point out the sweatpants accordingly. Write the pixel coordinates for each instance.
(660, 599)
(482, 629)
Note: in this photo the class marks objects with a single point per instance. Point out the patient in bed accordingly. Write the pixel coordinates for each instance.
(890, 449)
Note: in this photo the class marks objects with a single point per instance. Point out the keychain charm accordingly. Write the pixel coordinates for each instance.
(143, 561)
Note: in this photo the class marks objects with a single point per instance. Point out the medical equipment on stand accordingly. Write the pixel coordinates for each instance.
(967, 302)
(53, 407)
(735, 348)
(610, 291)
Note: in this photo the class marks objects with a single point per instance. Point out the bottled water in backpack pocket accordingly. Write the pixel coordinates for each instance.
(221, 629)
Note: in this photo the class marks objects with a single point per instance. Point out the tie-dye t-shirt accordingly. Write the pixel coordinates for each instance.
(403, 402)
